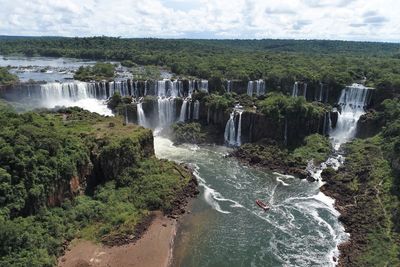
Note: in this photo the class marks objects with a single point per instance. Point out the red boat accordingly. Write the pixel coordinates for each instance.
(262, 205)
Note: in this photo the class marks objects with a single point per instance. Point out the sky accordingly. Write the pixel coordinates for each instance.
(365, 20)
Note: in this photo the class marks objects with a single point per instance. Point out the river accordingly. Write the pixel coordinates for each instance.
(227, 228)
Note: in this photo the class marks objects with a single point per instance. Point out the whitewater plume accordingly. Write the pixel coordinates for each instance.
(239, 131)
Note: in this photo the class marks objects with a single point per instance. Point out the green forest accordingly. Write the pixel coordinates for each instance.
(74, 174)
(342, 62)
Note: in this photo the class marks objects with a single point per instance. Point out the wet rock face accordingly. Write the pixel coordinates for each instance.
(334, 115)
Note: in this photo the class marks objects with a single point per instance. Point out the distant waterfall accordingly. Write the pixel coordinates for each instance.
(321, 89)
(250, 87)
(182, 116)
(203, 85)
(305, 90)
(352, 102)
(166, 111)
(229, 86)
(295, 89)
(229, 134)
(141, 116)
(191, 88)
(258, 85)
(196, 110)
(162, 88)
(145, 88)
(239, 131)
(190, 110)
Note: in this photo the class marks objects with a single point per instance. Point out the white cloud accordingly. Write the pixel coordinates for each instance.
(301, 19)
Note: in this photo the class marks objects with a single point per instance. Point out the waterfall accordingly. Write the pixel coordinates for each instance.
(162, 88)
(352, 102)
(126, 115)
(239, 131)
(305, 90)
(191, 88)
(166, 111)
(145, 88)
(229, 86)
(229, 134)
(196, 110)
(295, 89)
(204, 85)
(260, 87)
(250, 87)
(182, 116)
(141, 116)
(190, 110)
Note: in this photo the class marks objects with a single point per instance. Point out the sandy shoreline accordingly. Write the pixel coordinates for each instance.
(153, 249)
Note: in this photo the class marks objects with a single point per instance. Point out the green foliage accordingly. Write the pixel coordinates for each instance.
(41, 153)
(187, 133)
(100, 71)
(278, 106)
(316, 147)
(219, 102)
(333, 62)
(7, 78)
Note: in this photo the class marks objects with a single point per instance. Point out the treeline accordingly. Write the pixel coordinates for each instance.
(327, 61)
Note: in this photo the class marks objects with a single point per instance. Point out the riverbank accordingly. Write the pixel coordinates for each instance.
(365, 196)
(153, 249)
(151, 245)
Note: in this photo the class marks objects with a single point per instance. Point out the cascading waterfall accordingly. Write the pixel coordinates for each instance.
(230, 134)
(250, 87)
(260, 87)
(239, 131)
(182, 116)
(204, 85)
(305, 90)
(196, 110)
(166, 111)
(162, 88)
(229, 86)
(352, 102)
(190, 110)
(141, 116)
(191, 88)
(295, 89)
